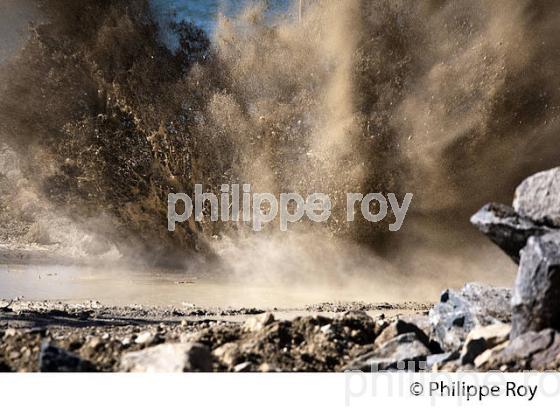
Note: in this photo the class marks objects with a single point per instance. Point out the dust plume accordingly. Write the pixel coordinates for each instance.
(455, 102)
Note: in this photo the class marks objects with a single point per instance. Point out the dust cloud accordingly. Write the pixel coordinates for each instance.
(455, 102)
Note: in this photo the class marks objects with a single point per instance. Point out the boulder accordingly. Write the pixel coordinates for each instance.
(461, 311)
(538, 198)
(483, 338)
(404, 352)
(507, 229)
(54, 359)
(169, 358)
(400, 327)
(537, 288)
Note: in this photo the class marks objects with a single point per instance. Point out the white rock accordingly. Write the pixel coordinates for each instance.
(144, 338)
(259, 322)
(168, 358)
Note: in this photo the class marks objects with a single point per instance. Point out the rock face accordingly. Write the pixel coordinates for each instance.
(537, 289)
(461, 311)
(169, 358)
(506, 228)
(538, 197)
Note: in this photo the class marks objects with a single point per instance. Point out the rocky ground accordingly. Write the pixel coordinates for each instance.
(467, 329)
(475, 328)
(48, 336)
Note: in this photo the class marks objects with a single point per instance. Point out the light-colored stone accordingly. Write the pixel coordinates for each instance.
(169, 358)
(144, 338)
(228, 354)
(482, 338)
(258, 322)
(538, 197)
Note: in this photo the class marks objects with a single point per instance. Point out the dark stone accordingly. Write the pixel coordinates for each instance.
(461, 311)
(4, 368)
(506, 228)
(537, 288)
(55, 359)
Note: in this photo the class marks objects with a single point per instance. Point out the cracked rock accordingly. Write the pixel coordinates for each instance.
(537, 288)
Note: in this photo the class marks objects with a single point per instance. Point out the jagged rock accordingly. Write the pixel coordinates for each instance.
(483, 338)
(169, 358)
(537, 288)
(461, 311)
(259, 322)
(530, 351)
(55, 359)
(507, 229)
(538, 197)
(404, 352)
